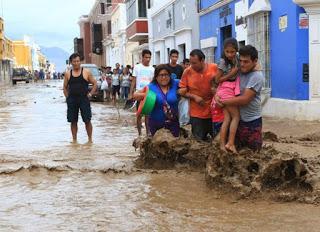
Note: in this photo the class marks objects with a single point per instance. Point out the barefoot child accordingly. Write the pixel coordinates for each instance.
(229, 87)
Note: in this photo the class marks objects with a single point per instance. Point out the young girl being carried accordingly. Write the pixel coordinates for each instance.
(229, 87)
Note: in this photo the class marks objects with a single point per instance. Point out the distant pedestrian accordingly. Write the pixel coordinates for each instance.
(176, 69)
(142, 76)
(186, 63)
(41, 74)
(125, 83)
(76, 91)
(115, 85)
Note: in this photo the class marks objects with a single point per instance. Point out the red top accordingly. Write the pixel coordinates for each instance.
(216, 112)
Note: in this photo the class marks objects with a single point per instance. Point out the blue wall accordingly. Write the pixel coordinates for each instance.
(211, 24)
(289, 50)
(207, 3)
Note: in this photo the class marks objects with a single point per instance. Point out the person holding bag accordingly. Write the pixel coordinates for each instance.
(165, 111)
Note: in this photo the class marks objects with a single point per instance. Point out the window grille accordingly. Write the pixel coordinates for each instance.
(259, 37)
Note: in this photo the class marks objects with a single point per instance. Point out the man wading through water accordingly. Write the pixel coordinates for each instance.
(75, 89)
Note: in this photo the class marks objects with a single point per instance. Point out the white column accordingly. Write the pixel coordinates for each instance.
(312, 7)
(314, 55)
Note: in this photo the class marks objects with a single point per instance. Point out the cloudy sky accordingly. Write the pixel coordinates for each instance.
(49, 22)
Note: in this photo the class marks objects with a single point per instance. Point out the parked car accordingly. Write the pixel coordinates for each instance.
(21, 74)
(98, 95)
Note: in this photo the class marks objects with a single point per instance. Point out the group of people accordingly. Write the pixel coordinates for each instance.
(117, 82)
(42, 75)
(223, 98)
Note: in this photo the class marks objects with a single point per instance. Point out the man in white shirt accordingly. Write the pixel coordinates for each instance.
(142, 75)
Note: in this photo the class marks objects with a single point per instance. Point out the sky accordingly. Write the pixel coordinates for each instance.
(51, 23)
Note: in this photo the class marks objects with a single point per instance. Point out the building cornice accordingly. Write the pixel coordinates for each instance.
(158, 40)
(311, 6)
(214, 7)
(182, 29)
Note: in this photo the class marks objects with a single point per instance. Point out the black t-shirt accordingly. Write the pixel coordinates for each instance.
(176, 72)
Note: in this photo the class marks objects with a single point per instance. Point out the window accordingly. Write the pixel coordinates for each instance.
(109, 27)
(102, 8)
(142, 8)
(209, 53)
(131, 11)
(258, 36)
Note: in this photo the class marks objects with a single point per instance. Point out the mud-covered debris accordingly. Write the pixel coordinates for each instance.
(315, 137)
(267, 174)
(270, 136)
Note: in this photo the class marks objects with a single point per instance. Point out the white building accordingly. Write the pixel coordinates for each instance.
(173, 24)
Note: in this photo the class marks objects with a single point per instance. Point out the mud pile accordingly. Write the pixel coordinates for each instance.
(269, 174)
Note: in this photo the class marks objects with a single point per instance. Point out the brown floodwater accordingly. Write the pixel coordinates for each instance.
(49, 184)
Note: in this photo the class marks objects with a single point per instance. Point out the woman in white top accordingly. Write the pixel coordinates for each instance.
(125, 83)
(115, 85)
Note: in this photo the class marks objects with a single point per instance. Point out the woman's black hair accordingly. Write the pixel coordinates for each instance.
(229, 42)
(158, 69)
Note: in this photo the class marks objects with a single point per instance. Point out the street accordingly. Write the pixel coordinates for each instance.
(49, 184)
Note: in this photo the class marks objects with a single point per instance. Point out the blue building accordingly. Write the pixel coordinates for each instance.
(280, 32)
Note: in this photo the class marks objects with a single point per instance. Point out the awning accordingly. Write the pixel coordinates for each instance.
(259, 6)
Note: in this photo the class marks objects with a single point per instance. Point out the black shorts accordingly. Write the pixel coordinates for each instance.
(115, 90)
(76, 103)
(201, 127)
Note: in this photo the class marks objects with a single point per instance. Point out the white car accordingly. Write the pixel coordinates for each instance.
(98, 95)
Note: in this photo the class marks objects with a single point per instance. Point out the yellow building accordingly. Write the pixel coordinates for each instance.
(6, 56)
(22, 53)
(1, 38)
(42, 61)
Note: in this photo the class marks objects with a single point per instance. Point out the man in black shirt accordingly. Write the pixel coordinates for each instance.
(175, 68)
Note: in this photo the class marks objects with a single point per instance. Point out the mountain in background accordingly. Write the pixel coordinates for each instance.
(57, 56)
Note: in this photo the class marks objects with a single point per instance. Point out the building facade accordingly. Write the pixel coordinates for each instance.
(83, 45)
(137, 28)
(6, 56)
(117, 47)
(281, 31)
(94, 31)
(173, 25)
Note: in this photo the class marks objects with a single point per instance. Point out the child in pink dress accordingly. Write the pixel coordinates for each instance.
(229, 87)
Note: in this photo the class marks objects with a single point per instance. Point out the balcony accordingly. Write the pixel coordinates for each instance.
(137, 31)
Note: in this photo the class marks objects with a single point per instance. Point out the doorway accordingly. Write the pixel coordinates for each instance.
(226, 32)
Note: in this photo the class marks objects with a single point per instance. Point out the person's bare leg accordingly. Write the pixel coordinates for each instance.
(139, 124)
(224, 129)
(89, 131)
(74, 131)
(235, 118)
(146, 121)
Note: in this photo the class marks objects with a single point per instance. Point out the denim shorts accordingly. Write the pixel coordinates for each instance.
(76, 103)
(216, 127)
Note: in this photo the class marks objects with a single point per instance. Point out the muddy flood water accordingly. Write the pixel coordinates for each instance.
(49, 184)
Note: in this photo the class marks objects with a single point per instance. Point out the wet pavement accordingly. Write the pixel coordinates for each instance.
(49, 184)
